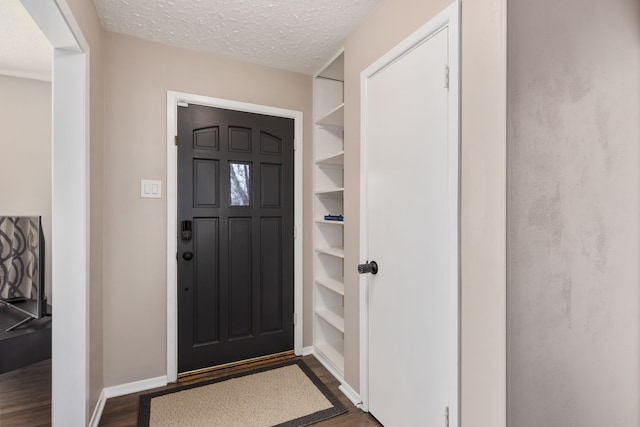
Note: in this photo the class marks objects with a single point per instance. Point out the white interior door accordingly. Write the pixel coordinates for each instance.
(411, 216)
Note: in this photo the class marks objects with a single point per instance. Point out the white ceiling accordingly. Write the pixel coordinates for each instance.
(24, 50)
(296, 35)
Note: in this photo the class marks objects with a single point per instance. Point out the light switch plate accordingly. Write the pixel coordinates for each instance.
(151, 189)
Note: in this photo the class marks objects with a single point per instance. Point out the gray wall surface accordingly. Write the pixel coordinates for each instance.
(573, 213)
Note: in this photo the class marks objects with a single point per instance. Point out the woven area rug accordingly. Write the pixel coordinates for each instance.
(288, 394)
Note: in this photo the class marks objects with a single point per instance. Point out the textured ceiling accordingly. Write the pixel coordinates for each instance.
(24, 50)
(296, 35)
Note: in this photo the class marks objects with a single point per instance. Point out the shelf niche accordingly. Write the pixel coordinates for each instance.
(328, 236)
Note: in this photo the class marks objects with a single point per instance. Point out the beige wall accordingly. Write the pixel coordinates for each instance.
(574, 193)
(25, 154)
(483, 189)
(137, 76)
(483, 213)
(87, 18)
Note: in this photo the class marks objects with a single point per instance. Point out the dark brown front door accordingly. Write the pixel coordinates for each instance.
(235, 236)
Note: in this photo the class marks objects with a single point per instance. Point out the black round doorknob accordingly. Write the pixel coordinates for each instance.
(187, 256)
(368, 267)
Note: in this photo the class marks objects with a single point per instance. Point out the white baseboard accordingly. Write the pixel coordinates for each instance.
(135, 387)
(97, 412)
(306, 351)
(121, 390)
(344, 387)
(327, 363)
(351, 395)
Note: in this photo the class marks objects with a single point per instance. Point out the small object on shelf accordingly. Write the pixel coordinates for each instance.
(334, 218)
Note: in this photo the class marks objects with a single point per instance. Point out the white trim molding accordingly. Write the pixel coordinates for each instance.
(135, 387)
(448, 18)
(351, 394)
(122, 390)
(97, 411)
(26, 75)
(328, 364)
(173, 98)
(70, 177)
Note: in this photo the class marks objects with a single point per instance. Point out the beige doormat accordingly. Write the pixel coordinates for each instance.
(285, 395)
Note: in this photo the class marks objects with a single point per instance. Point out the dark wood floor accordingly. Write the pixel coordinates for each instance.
(25, 396)
(25, 399)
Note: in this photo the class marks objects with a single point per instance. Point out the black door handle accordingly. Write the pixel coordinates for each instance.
(187, 256)
(368, 267)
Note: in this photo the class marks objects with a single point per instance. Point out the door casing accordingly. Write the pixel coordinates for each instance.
(449, 17)
(70, 209)
(173, 99)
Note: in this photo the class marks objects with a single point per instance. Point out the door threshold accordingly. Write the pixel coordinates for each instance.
(246, 363)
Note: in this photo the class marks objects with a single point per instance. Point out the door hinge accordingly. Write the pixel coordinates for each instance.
(295, 319)
(175, 140)
(295, 145)
(446, 414)
(176, 256)
(446, 77)
(295, 232)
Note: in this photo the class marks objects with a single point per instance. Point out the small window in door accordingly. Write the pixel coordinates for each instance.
(240, 184)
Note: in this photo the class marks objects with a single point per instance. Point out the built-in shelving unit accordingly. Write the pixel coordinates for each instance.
(328, 238)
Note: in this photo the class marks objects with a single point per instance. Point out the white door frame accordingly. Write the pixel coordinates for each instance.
(449, 17)
(70, 210)
(173, 98)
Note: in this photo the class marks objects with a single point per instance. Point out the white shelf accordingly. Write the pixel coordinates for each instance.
(326, 221)
(335, 69)
(334, 117)
(333, 159)
(336, 252)
(334, 192)
(333, 316)
(335, 284)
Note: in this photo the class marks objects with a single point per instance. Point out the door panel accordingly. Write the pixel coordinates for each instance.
(206, 243)
(271, 280)
(412, 341)
(205, 183)
(239, 140)
(235, 186)
(207, 138)
(240, 275)
(270, 144)
(270, 186)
